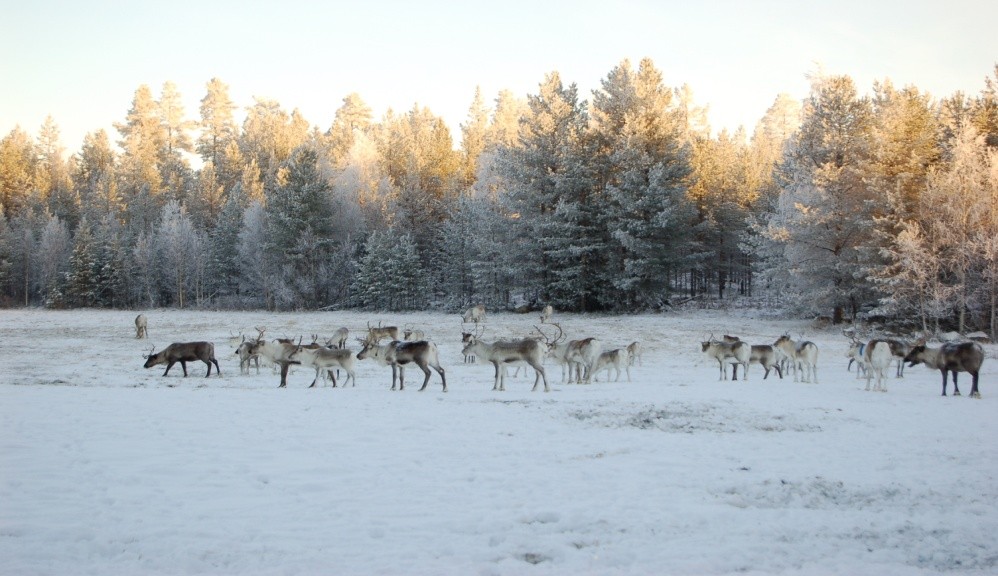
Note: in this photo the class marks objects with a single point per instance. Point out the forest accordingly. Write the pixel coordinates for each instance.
(845, 204)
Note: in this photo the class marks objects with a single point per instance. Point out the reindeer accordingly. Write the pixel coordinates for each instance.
(612, 359)
(899, 349)
(856, 353)
(634, 353)
(762, 354)
(469, 337)
(735, 352)
(413, 335)
(546, 314)
(324, 359)
(581, 355)
(248, 353)
(950, 357)
(141, 326)
(877, 357)
(399, 354)
(339, 338)
(381, 332)
(528, 350)
(475, 314)
(802, 355)
(279, 354)
(184, 352)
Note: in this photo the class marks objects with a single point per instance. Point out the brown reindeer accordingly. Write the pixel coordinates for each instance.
(950, 357)
(184, 352)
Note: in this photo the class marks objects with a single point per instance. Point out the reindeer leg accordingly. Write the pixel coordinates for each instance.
(974, 392)
(956, 389)
(426, 373)
(284, 374)
(168, 366)
(443, 379)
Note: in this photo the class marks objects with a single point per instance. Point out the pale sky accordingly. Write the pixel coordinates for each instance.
(82, 60)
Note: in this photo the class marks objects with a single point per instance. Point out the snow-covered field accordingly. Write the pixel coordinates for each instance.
(107, 468)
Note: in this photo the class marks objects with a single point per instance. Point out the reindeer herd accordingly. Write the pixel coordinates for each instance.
(582, 360)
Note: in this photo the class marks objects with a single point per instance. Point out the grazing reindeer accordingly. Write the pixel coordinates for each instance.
(950, 357)
(612, 359)
(546, 314)
(734, 352)
(184, 352)
(339, 338)
(634, 353)
(381, 332)
(324, 359)
(502, 353)
(802, 355)
(412, 335)
(475, 314)
(399, 354)
(141, 326)
(877, 359)
(468, 338)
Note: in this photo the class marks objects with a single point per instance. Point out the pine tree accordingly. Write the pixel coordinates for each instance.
(823, 221)
(81, 279)
(300, 239)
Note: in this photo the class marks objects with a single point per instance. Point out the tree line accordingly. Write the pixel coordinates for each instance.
(841, 204)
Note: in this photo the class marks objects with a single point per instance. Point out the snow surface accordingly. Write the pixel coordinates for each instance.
(107, 468)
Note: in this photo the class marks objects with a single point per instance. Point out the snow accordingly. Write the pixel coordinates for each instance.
(107, 468)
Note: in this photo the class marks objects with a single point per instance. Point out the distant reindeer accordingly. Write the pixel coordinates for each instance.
(141, 326)
(381, 332)
(634, 353)
(546, 314)
(615, 360)
(412, 335)
(951, 357)
(184, 352)
(339, 338)
(475, 314)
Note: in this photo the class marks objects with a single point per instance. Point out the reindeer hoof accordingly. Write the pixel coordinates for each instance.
(975, 395)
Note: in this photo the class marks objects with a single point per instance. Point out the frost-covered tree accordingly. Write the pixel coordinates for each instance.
(644, 164)
(18, 169)
(549, 197)
(823, 220)
(81, 288)
(218, 130)
(390, 276)
(256, 276)
(178, 250)
(54, 248)
(94, 178)
(300, 231)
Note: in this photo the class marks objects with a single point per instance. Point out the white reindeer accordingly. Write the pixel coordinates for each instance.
(612, 359)
(878, 358)
(503, 353)
(734, 352)
(324, 359)
(802, 355)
